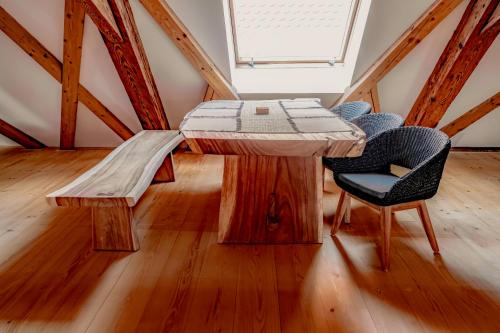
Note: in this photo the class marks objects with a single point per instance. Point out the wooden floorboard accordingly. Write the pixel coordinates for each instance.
(183, 281)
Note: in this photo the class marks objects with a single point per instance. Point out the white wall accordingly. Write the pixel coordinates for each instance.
(30, 98)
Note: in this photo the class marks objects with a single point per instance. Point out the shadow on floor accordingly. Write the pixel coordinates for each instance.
(48, 270)
(421, 286)
(56, 267)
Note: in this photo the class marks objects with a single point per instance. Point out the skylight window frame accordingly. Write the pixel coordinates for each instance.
(353, 14)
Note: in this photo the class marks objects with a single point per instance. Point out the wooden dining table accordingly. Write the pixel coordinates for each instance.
(272, 187)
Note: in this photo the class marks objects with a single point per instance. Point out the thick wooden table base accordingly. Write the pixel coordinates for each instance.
(271, 199)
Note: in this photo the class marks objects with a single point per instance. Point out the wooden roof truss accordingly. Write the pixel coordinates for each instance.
(478, 28)
(115, 21)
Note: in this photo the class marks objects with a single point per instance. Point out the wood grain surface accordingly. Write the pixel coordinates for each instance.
(462, 54)
(123, 176)
(386, 217)
(272, 184)
(267, 199)
(100, 11)
(190, 48)
(209, 94)
(131, 62)
(54, 67)
(74, 19)
(471, 116)
(113, 228)
(183, 281)
(300, 144)
(412, 37)
(16, 135)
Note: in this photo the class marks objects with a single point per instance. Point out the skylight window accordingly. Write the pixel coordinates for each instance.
(291, 31)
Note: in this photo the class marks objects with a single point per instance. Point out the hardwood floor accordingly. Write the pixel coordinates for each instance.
(183, 281)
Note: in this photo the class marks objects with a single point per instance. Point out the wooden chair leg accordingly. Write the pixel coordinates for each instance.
(385, 224)
(113, 229)
(324, 176)
(426, 222)
(347, 215)
(339, 213)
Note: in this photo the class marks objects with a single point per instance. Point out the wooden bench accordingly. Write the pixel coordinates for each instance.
(115, 185)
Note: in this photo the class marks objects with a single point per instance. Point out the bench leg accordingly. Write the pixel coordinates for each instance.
(113, 228)
(165, 173)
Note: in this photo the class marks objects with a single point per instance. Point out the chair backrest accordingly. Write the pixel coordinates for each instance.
(376, 123)
(352, 110)
(410, 146)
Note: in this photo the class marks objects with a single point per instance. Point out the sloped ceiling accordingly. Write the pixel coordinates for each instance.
(400, 88)
(30, 98)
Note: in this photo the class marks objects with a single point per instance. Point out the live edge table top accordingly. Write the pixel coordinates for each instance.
(298, 127)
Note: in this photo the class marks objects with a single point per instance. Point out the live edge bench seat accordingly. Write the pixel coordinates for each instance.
(115, 185)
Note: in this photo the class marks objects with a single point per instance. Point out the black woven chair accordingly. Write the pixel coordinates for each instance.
(352, 110)
(372, 124)
(368, 178)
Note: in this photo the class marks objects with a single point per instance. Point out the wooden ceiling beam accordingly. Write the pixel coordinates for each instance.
(187, 44)
(131, 63)
(54, 67)
(30, 44)
(374, 99)
(100, 11)
(209, 94)
(436, 13)
(19, 136)
(472, 115)
(494, 19)
(102, 112)
(74, 18)
(460, 57)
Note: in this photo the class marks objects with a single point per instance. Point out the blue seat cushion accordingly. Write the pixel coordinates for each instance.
(371, 184)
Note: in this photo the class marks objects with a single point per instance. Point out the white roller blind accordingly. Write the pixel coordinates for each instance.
(291, 30)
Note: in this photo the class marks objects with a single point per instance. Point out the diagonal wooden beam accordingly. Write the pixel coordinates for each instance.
(74, 18)
(187, 44)
(209, 94)
(100, 11)
(19, 136)
(102, 112)
(53, 66)
(436, 13)
(494, 19)
(457, 62)
(131, 63)
(472, 115)
(30, 44)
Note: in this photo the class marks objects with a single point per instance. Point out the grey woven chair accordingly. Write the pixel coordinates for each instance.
(368, 178)
(352, 110)
(372, 124)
